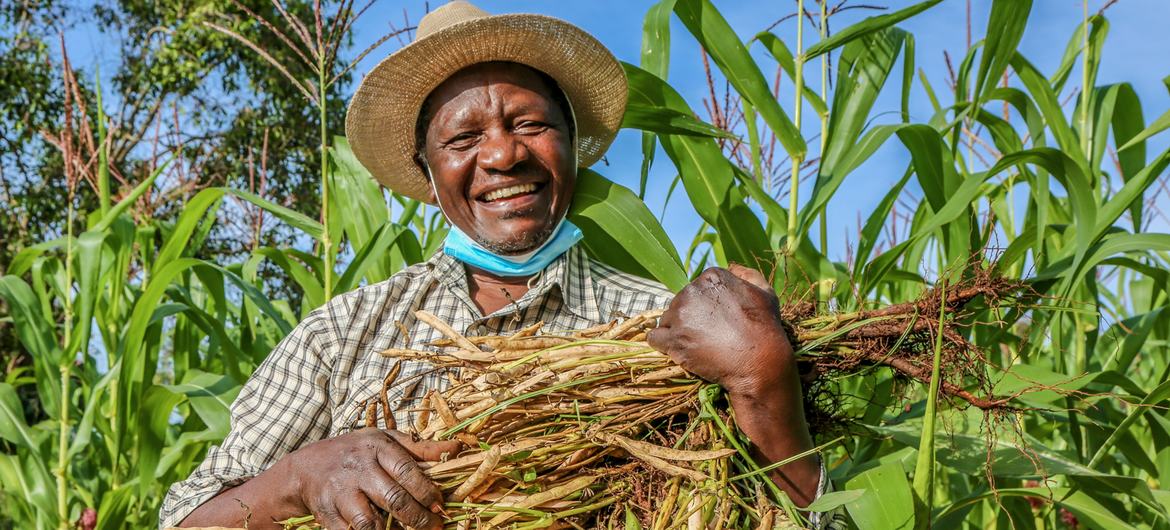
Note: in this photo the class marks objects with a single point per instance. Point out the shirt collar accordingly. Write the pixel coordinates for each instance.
(568, 275)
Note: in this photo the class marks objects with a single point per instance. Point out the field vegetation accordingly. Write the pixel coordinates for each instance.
(139, 296)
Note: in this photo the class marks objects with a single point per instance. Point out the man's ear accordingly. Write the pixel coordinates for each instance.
(431, 197)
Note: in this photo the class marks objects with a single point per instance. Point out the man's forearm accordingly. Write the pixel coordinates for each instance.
(268, 497)
(773, 419)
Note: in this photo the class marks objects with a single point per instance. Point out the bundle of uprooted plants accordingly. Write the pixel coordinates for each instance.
(595, 429)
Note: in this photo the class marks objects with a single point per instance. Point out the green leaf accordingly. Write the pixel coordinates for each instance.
(1068, 59)
(865, 27)
(35, 333)
(203, 204)
(1037, 384)
(907, 76)
(24, 259)
(707, 176)
(32, 484)
(89, 265)
(783, 56)
(153, 420)
(1158, 125)
(378, 247)
(211, 395)
(85, 428)
(1049, 105)
(656, 60)
(115, 507)
(717, 37)
(886, 503)
(834, 499)
(1071, 175)
(1084, 507)
(294, 218)
(1155, 397)
(620, 231)
(129, 199)
(12, 424)
(632, 522)
(668, 121)
(304, 278)
(1131, 193)
(871, 233)
(862, 71)
(656, 39)
(1008, 17)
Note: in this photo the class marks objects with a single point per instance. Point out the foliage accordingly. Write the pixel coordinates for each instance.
(165, 100)
(138, 345)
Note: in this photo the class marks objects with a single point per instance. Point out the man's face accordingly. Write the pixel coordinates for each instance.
(501, 156)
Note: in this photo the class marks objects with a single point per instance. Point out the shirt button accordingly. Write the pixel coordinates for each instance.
(481, 329)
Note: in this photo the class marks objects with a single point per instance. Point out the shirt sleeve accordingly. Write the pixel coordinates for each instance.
(283, 405)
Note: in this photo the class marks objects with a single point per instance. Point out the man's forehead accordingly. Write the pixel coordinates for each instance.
(482, 75)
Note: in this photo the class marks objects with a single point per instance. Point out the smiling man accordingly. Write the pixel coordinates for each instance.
(488, 117)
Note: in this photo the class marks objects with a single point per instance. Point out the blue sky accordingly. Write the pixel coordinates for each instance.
(1137, 50)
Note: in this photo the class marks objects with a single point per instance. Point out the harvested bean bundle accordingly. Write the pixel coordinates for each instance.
(594, 428)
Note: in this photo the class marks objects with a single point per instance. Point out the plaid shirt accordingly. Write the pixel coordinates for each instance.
(313, 384)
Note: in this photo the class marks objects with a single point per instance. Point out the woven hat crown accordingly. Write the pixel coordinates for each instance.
(382, 116)
(447, 15)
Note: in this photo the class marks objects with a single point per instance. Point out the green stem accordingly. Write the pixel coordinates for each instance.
(924, 469)
(797, 161)
(63, 450)
(749, 119)
(103, 170)
(823, 30)
(789, 460)
(326, 239)
(115, 458)
(62, 469)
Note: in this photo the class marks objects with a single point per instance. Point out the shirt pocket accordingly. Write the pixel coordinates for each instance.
(370, 396)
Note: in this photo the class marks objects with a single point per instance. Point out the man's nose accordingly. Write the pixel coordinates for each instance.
(501, 151)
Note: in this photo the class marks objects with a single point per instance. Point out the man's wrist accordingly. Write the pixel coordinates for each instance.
(779, 388)
(285, 485)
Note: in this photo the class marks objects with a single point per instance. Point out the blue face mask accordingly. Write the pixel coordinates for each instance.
(461, 247)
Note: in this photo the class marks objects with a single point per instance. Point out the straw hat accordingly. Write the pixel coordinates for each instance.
(380, 123)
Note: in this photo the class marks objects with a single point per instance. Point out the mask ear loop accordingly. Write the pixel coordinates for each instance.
(576, 131)
(435, 190)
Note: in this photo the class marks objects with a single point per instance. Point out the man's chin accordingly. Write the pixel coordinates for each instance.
(520, 242)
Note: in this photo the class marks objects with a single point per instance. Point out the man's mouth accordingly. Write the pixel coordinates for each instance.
(510, 192)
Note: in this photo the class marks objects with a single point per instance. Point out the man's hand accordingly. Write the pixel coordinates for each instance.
(342, 478)
(339, 481)
(725, 327)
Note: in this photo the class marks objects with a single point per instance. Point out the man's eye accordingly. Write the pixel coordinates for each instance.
(531, 127)
(461, 141)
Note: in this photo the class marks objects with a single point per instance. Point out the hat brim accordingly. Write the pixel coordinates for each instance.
(380, 122)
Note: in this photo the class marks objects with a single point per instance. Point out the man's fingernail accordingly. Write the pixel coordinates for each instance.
(436, 508)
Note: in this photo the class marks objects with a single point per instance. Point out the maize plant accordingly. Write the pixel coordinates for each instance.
(1038, 402)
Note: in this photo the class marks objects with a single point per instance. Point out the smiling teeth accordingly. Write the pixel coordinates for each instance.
(510, 191)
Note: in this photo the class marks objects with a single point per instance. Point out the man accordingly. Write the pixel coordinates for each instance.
(488, 117)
